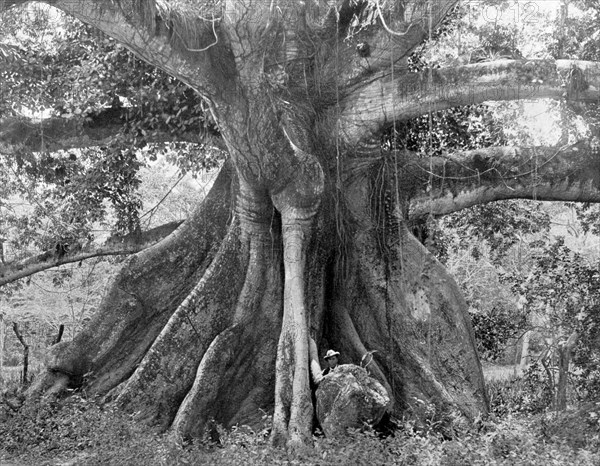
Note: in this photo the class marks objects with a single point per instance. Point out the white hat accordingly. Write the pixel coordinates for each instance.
(331, 354)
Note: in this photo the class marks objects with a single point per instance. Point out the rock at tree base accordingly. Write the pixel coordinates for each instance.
(348, 397)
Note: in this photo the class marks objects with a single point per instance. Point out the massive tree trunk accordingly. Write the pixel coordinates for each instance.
(193, 330)
(305, 237)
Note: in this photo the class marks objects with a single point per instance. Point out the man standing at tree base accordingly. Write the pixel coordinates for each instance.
(331, 357)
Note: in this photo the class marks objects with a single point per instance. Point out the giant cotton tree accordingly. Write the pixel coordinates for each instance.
(303, 237)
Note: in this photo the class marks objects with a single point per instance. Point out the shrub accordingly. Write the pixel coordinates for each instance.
(494, 329)
(78, 427)
(529, 394)
(579, 428)
(81, 432)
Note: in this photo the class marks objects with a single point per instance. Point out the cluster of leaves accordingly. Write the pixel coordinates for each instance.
(586, 374)
(500, 225)
(577, 36)
(589, 217)
(494, 329)
(564, 287)
(64, 69)
(560, 281)
(80, 429)
(459, 128)
(55, 75)
(68, 193)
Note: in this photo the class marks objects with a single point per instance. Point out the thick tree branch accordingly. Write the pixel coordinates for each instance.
(114, 246)
(52, 134)
(181, 38)
(389, 33)
(570, 173)
(383, 100)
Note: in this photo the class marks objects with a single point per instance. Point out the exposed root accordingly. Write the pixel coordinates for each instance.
(49, 386)
(151, 285)
(413, 313)
(166, 373)
(199, 405)
(235, 378)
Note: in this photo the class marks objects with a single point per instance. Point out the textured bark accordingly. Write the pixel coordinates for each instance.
(468, 178)
(400, 301)
(54, 134)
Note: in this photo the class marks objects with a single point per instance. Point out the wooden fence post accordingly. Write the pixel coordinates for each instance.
(61, 329)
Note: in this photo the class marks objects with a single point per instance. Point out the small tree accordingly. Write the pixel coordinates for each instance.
(562, 289)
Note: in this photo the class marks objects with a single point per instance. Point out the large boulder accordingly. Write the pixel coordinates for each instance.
(348, 397)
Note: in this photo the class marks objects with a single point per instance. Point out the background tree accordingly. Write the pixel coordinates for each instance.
(318, 247)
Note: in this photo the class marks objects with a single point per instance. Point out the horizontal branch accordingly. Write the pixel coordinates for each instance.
(53, 134)
(388, 98)
(465, 179)
(114, 246)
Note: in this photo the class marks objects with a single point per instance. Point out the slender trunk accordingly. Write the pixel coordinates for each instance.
(1, 347)
(562, 34)
(24, 380)
(544, 360)
(564, 358)
(525, 352)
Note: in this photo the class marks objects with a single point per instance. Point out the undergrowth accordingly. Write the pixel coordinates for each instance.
(77, 431)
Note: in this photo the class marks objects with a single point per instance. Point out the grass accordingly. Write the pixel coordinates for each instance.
(493, 373)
